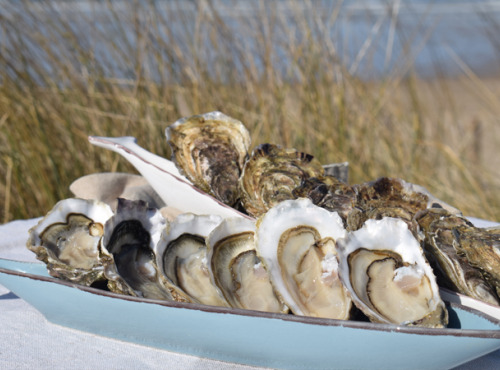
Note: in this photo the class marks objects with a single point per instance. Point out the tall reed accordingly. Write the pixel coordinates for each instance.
(132, 68)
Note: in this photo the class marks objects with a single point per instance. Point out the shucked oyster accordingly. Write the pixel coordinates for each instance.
(129, 239)
(270, 175)
(297, 242)
(388, 277)
(237, 270)
(182, 258)
(450, 264)
(210, 149)
(67, 239)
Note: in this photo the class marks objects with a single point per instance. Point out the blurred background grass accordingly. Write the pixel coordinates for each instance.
(130, 69)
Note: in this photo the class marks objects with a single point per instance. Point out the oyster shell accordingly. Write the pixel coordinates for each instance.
(67, 240)
(452, 269)
(482, 249)
(270, 175)
(297, 242)
(182, 258)
(392, 197)
(129, 239)
(237, 270)
(329, 193)
(210, 149)
(388, 277)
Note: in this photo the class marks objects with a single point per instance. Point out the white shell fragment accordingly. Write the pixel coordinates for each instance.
(388, 277)
(236, 269)
(67, 239)
(297, 242)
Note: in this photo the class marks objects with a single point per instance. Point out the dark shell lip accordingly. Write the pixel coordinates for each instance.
(454, 332)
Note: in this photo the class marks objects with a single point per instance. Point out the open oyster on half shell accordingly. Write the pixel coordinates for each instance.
(210, 150)
(237, 270)
(388, 277)
(297, 242)
(181, 256)
(68, 240)
(130, 237)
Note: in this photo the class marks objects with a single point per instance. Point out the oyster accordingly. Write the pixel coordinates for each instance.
(329, 193)
(391, 197)
(210, 149)
(452, 269)
(270, 175)
(67, 240)
(129, 239)
(388, 277)
(182, 258)
(236, 269)
(297, 242)
(482, 249)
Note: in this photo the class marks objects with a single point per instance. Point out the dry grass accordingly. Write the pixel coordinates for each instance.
(55, 91)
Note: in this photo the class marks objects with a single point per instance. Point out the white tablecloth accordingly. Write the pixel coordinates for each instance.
(29, 341)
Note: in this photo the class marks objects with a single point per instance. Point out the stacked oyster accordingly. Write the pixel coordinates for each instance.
(310, 244)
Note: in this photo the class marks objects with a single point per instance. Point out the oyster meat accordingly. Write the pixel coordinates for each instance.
(452, 269)
(388, 277)
(270, 175)
(128, 243)
(182, 258)
(210, 149)
(297, 243)
(68, 238)
(236, 269)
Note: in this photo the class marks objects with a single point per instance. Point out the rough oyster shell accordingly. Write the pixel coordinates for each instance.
(128, 243)
(210, 149)
(388, 277)
(67, 240)
(270, 175)
(297, 242)
(392, 197)
(482, 249)
(182, 258)
(237, 270)
(452, 269)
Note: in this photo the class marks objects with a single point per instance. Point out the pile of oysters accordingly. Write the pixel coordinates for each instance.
(304, 242)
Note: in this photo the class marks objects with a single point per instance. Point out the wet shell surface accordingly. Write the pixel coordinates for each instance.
(67, 239)
(270, 175)
(181, 256)
(449, 263)
(297, 242)
(237, 270)
(130, 237)
(210, 149)
(388, 277)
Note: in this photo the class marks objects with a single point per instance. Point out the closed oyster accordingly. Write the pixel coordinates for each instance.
(270, 175)
(482, 249)
(329, 193)
(297, 242)
(388, 277)
(182, 258)
(392, 197)
(128, 243)
(67, 240)
(210, 149)
(450, 264)
(237, 270)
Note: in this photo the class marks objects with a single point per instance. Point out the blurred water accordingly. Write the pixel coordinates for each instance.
(371, 38)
